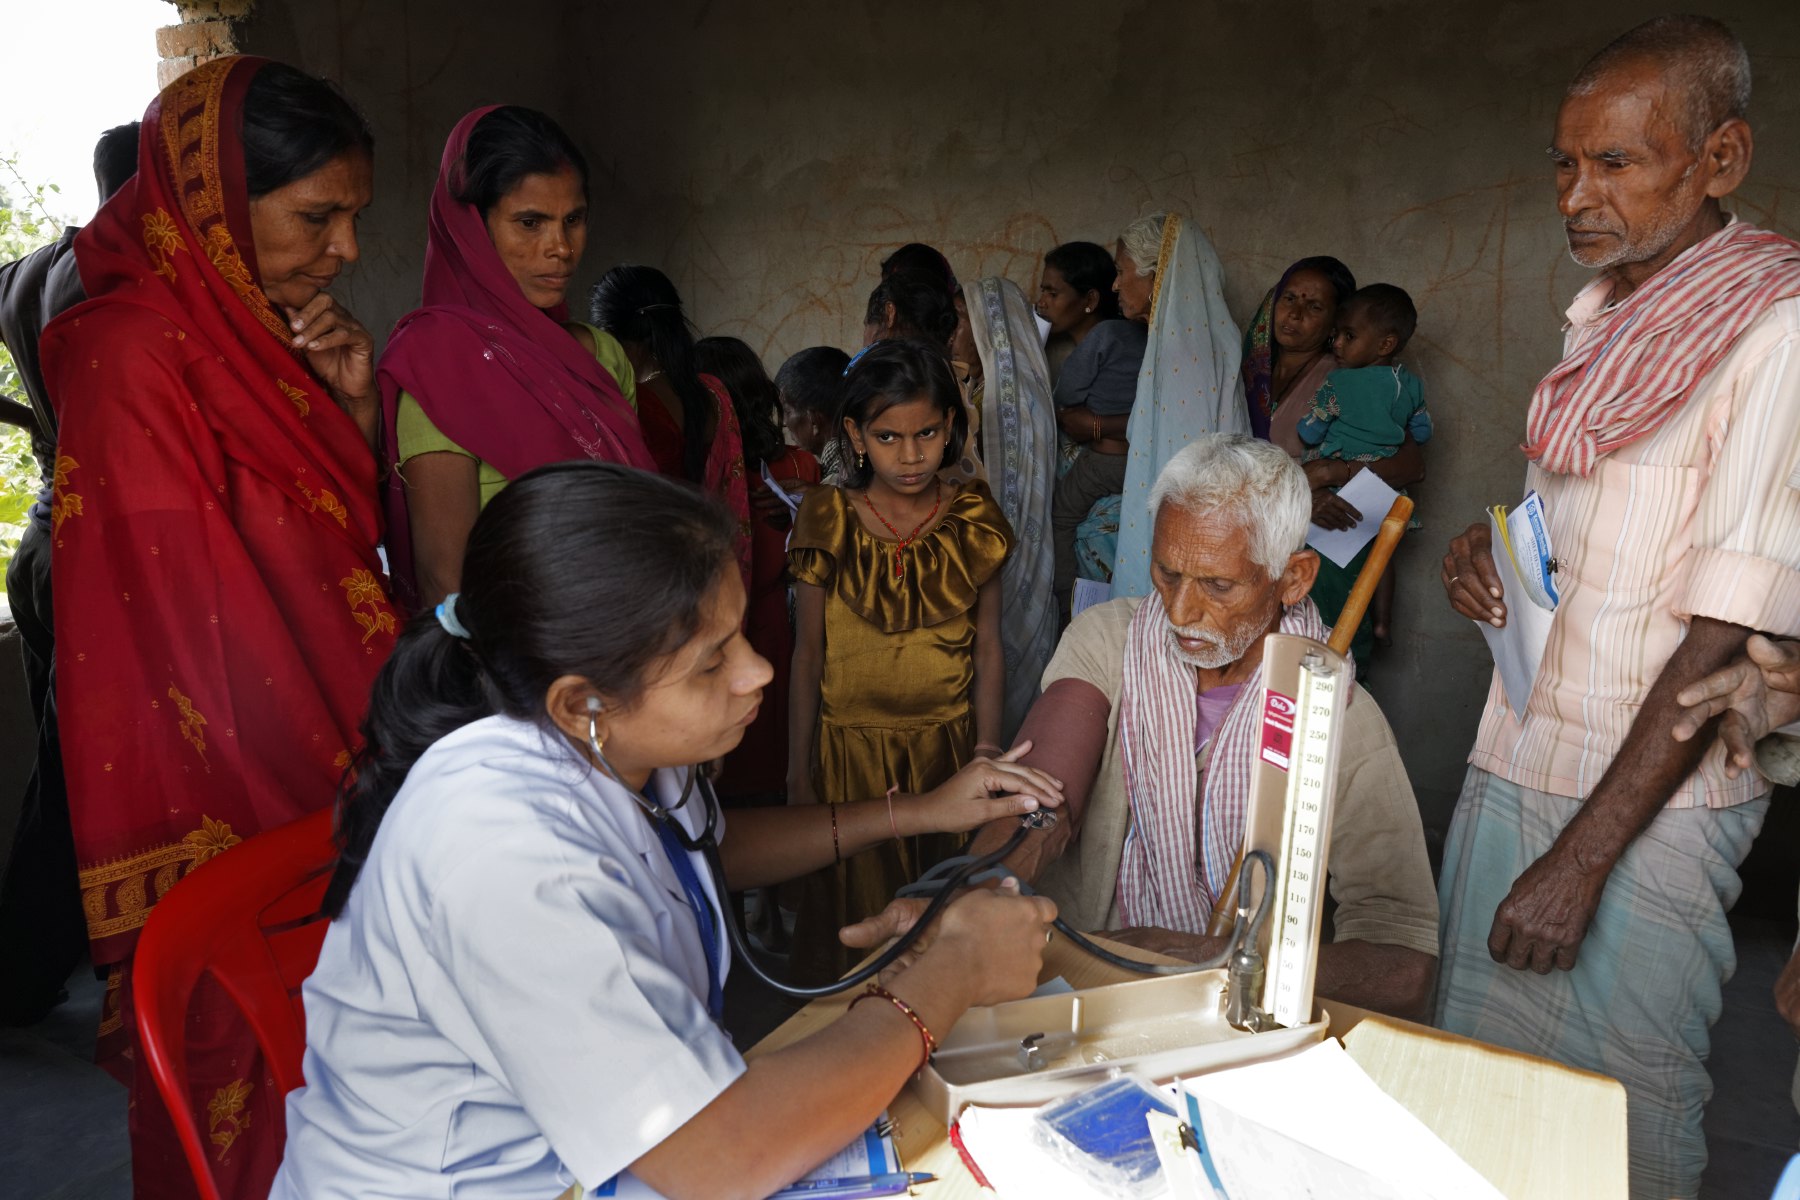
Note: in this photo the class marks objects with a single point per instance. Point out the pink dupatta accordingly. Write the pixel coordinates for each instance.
(497, 376)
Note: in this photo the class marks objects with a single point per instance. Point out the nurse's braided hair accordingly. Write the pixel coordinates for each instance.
(581, 568)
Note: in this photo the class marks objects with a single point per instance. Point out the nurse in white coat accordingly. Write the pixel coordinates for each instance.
(522, 986)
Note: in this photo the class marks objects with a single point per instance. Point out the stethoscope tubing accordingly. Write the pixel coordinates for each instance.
(942, 882)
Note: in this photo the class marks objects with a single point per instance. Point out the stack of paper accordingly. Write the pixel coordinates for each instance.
(1309, 1125)
(1522, 557)
(1314, 1124)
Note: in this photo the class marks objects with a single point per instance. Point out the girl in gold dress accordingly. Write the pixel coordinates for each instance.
(898, 674)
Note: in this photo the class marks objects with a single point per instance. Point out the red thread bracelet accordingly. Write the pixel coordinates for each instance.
(906, 1010)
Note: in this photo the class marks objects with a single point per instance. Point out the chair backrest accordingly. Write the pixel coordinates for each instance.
(250, 919)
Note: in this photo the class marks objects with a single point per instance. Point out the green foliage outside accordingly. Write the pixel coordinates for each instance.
(26, 223)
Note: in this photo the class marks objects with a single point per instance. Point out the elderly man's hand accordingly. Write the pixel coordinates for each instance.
(1470, 580)
(1543, 920)
(1189, 947)
(1757, 693)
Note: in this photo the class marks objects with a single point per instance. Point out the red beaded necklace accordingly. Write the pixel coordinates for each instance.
(937, 497)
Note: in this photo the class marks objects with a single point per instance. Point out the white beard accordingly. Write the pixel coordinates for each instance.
(1219, 652)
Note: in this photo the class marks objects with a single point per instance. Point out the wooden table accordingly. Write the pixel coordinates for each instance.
(1535, 1129)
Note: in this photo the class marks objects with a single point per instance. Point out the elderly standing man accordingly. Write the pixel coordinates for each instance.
(1593, 857)
(1150, 716)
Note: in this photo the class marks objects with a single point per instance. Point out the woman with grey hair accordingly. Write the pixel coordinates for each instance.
(1169, 279)
(1189, 386)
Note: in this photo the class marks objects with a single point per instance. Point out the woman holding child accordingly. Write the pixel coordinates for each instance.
(1288, 358)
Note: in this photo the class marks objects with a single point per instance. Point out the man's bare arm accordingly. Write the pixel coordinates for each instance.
(1543, 919)
(1387, 979)
(1067, 730)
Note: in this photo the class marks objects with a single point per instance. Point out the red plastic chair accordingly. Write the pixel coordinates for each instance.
(249, 918)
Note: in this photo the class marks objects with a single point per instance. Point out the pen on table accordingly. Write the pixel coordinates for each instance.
(849, 1187)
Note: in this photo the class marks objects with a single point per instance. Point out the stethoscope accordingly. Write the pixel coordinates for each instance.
(942, 883)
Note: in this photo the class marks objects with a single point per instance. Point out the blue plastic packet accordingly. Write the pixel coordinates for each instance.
(1103, 1135)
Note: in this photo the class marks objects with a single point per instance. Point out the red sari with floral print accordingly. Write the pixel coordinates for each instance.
(219, 605)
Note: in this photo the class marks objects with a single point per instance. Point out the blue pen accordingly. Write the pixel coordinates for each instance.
(854, 1187)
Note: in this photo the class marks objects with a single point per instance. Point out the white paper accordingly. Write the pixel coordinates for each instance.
(1368, 495)
(1314, 1124)
(792, 501)
(1088, 592)
(1517, 647)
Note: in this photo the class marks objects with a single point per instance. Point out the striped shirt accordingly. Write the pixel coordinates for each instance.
(1699, 519)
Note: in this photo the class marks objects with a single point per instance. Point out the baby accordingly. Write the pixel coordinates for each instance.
(1369, 405)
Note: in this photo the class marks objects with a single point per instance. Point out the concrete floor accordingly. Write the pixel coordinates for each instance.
(65, 1120)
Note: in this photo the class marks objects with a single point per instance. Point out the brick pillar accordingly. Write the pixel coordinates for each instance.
(206, 30)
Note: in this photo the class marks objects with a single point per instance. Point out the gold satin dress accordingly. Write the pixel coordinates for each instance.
(896, 704)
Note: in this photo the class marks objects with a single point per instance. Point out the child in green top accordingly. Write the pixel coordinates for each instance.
(1368, 407)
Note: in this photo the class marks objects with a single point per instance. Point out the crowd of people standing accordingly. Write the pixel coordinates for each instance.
(291, 571)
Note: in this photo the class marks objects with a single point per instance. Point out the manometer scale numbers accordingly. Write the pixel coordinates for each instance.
(1288, 993)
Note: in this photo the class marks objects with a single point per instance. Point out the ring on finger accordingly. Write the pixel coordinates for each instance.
(1048, 934)
(1453, 580)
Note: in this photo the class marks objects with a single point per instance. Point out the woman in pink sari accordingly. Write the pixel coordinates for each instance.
(687, 417)
(490, 378)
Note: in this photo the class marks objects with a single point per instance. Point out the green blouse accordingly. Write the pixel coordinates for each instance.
(417, 435)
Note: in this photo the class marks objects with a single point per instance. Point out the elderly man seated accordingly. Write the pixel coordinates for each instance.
(1149, 717)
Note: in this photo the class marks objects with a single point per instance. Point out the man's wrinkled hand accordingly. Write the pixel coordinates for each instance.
(1542, 921)
(1189, 947)
(1470, 579)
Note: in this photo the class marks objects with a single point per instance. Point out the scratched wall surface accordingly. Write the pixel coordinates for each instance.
(766, 155)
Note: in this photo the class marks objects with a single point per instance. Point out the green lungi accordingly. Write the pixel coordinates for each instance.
(1646, 987)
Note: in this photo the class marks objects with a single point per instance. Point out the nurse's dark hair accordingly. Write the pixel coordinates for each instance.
(505, 146)
(892, 372)
(580, 568)
(295, 123)
(1087, 267)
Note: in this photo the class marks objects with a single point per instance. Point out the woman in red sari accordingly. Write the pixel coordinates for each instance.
(490, 378)
(686, 416)
(219, 601)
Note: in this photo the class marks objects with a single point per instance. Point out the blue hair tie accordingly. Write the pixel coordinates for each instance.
(446, 615)
(857, 357)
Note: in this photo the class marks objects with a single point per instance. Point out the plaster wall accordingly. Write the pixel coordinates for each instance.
(766, 155)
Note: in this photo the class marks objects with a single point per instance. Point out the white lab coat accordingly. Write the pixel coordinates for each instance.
(514, 998)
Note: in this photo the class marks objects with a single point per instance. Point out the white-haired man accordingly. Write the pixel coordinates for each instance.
(1149, 717)
(1593, 857)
